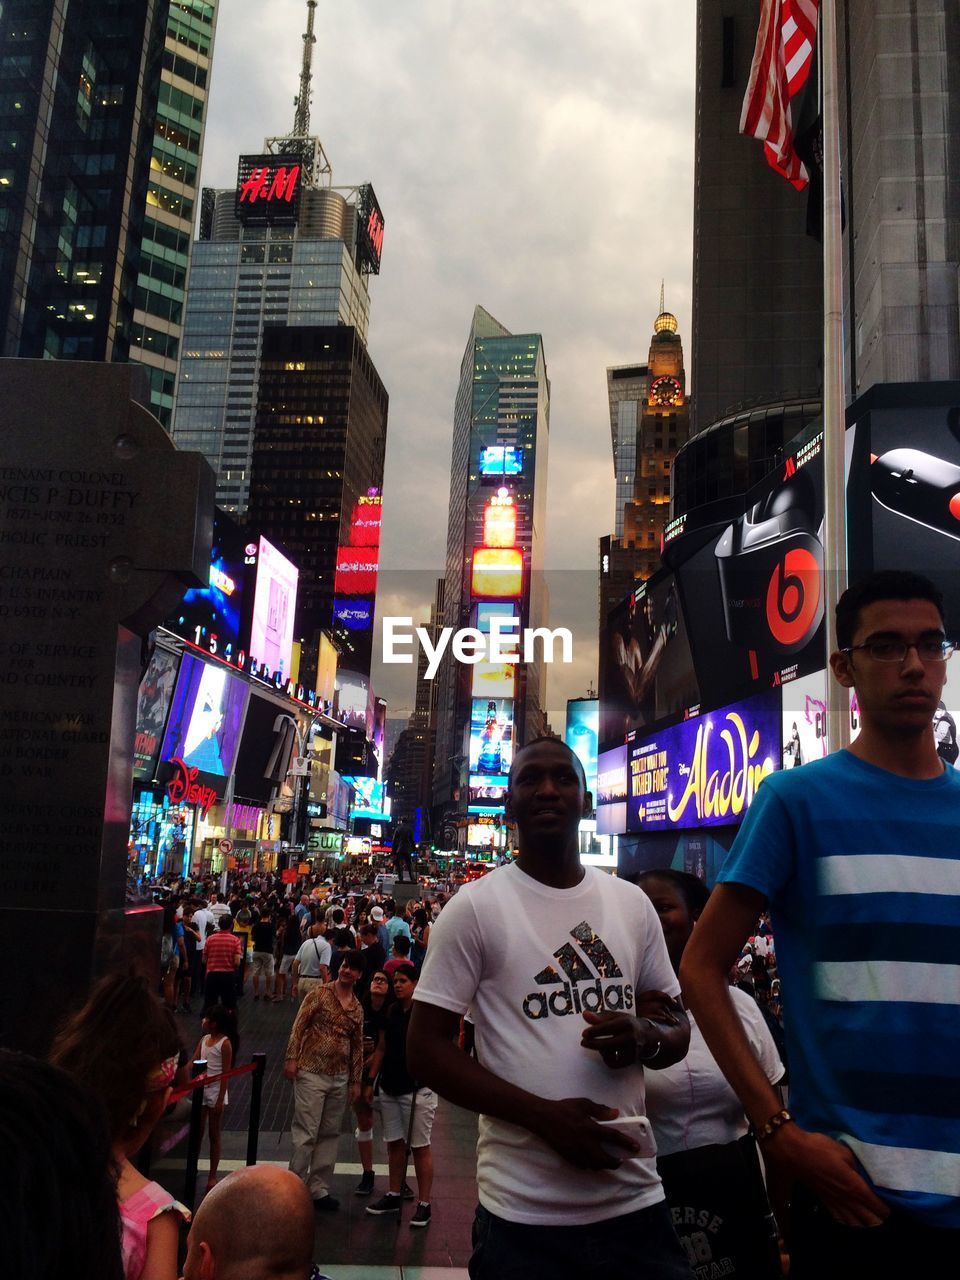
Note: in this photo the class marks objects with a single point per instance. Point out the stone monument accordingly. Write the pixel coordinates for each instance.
(103, 525)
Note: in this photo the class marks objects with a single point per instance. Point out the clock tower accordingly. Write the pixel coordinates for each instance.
(650, 420)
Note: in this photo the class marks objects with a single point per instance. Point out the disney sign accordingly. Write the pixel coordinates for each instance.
(185, 788)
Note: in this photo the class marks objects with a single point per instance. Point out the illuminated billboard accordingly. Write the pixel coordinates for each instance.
(352, 704)
(582, 736)
(704, 772)
(206, 717)
(274, 608)
(491, 735)
(482, 836)
(365, 521)
(497, 572)
(804, 730)
(356, 571)
(500, 521)
(353, 613)
(501, 460)
(494, 679)
(210, 617)
(153, 703)
(488, 789)
(268, 189)
(611, 796)
(486, 611)
(370, 226)
(369, 799)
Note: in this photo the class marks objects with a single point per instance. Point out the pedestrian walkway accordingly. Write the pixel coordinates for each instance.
(349, 1243)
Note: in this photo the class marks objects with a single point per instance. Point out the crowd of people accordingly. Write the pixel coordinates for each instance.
(629, 1081)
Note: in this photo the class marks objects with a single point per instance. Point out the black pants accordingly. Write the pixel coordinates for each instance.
(220, 988)
(901, 1249)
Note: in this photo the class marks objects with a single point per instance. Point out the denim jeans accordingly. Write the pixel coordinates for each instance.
(638, 1246)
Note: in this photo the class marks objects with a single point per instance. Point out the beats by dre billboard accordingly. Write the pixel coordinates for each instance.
(903, 491)
(751, 590)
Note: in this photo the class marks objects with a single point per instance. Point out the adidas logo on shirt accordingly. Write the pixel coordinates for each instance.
(588, 962)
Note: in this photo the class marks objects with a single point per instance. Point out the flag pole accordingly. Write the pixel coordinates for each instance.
(834, 397)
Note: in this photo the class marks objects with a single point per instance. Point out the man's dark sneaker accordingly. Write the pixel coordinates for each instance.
(365, 1186)
(406, 1191)
(390, 1203)
(326, 1204)
(421, 1216)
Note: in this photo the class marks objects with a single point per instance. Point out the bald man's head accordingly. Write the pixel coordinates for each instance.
(257, 1224)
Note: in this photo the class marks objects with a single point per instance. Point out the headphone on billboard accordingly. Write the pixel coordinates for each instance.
(770, 563)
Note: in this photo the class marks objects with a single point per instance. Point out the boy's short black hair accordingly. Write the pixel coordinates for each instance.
(407, 969)
(887, 584)
(549, 737)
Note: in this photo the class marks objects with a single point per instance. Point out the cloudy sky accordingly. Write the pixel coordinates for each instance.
(533, 157)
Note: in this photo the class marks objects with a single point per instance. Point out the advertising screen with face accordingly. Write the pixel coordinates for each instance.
(491, 736)
(804, 720)
(206, 717)
(582, 734)
(274, 608)
(646, 669)
(752, 589)
(705, 771)
(153, 703)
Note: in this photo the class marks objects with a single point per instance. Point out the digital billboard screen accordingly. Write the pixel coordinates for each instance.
(491, 735)
(353, 613)
(274, 609)
(646, 667)
(494, 679)
(268, 189)
(903, 489)
(356, 573)
(486, 611)
(751, 589)
(206, 717)
(262, 748)
(804, 732)
(153, 703)
(369, 799)
(611, 797)
(210, 617)
(501, 460)
(488, 789)
(352, 703)
(704, 772)
(582, 736)
(497, 572)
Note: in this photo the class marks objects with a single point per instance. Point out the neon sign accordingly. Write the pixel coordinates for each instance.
(184, 787)
(268, 189)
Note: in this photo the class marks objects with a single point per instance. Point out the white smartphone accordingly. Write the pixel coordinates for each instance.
(639, 1130)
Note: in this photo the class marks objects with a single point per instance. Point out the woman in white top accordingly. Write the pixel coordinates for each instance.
(217, 1046)
(705, 1155)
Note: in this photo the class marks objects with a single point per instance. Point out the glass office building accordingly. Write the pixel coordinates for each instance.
(246, 278)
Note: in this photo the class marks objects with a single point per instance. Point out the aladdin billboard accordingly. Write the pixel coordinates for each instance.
(704, 772)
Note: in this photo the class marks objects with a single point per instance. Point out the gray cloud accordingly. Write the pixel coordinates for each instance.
(536, 158)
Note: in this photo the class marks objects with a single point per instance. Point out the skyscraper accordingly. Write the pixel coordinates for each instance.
(78, 93)
(494, 562)
(282, 248)
(171, 199)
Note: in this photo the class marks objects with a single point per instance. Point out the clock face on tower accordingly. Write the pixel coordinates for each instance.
(665, 391)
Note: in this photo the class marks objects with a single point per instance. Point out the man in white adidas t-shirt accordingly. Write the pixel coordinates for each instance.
(549, 956)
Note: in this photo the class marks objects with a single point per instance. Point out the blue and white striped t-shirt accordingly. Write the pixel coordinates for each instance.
(862, 871)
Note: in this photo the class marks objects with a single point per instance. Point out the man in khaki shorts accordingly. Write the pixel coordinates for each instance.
(264, 936)
(407, 1109)
(312, 964)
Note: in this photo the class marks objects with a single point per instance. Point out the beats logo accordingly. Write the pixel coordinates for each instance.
(793, 598)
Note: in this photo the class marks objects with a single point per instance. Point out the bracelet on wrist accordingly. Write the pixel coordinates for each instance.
(649, 1056)
(764, 1132)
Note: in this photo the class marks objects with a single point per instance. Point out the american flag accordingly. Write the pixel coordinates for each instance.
(781, 66)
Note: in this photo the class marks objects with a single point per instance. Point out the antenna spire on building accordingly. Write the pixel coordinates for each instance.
(301, 121)
(662, 283)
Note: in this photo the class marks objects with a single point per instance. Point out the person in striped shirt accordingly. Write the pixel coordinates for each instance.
(857, 856)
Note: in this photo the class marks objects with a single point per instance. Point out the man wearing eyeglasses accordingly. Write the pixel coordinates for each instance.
(857, 857)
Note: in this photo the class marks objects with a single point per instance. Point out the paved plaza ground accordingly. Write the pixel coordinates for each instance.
(350, 1244)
